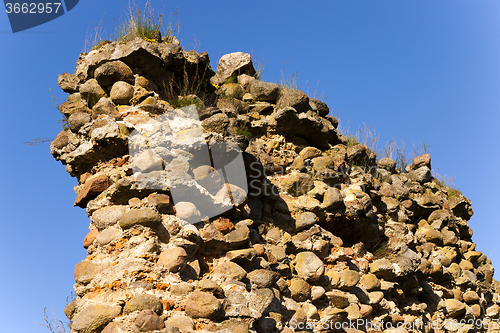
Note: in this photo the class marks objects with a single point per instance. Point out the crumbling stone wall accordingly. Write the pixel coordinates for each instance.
(320, 234)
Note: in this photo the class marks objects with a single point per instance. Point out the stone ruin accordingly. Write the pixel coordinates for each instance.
(320, 236)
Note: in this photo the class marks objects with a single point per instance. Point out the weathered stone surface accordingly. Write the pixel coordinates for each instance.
(233, 64)
(147, 161)
(121, 92)
(105, 107)
(174, 260)
(387, 163)
(208, 177)
(91, 92)
(85, 271)
(230, 270)
(297, 184)
(142, 302)
(187, 211)
(420, 161)
(455, 308)
(142, 216)
(217, 123)
(300, 290)
(108, 216)
(348, 279)
(90, 238)
(243, 256)
(211, 287)
(235, 326)
(67, 82)
(232, 90)
(332, 198)
(263, 278)
(470, 297)
(237, 237)
(77, 120)
(107, 236)
(201, 304)
(305, 220)
(113, 71)
(370, 282)
(264, 91)
(112, 327)
(182, 323)
(293, 98)
(70, 309)
(162, 202)
(94, 316)
(91, 189)
(421, 175)
(260, 301)
(338, 299)
(309, 266)
(391, 269)
(320, 107)
(147, 321)
(231, 193)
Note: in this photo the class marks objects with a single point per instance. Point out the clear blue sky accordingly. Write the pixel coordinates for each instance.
(411, 70)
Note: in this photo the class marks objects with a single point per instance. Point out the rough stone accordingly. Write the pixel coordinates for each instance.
(300, 290)
(147, 320)
(332, 198)
(233, 64)
(105, 107)
(262, 278)
(338, 299)
(91, 189)
(85, 271)
(91, 92)
(187, 211)
(264, 91)
(420, 161)
(142, 302)
(260, 301)
(293, 98)
(174, 260)
(107, 216)
(162, 202)
(370, 282)
(77, 120)
(235, 326)
(201, 304)
(387, 163)
(305, 220)
(107, 236)
(297, 184)
(121, 92)
(230, 270)
(114, 71)
(455, 308)
(231, 90)
(90, 238)
(182, 323)
(348, 279)
(94, 317)
(309, 266)
(142, 216)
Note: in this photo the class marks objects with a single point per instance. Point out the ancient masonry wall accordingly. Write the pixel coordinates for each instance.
(318, 234)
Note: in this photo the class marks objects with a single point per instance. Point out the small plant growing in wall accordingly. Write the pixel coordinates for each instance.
(137, 22)
(63, 121)
(244, 130)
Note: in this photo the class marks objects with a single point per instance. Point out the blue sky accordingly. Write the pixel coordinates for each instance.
(410, 70)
